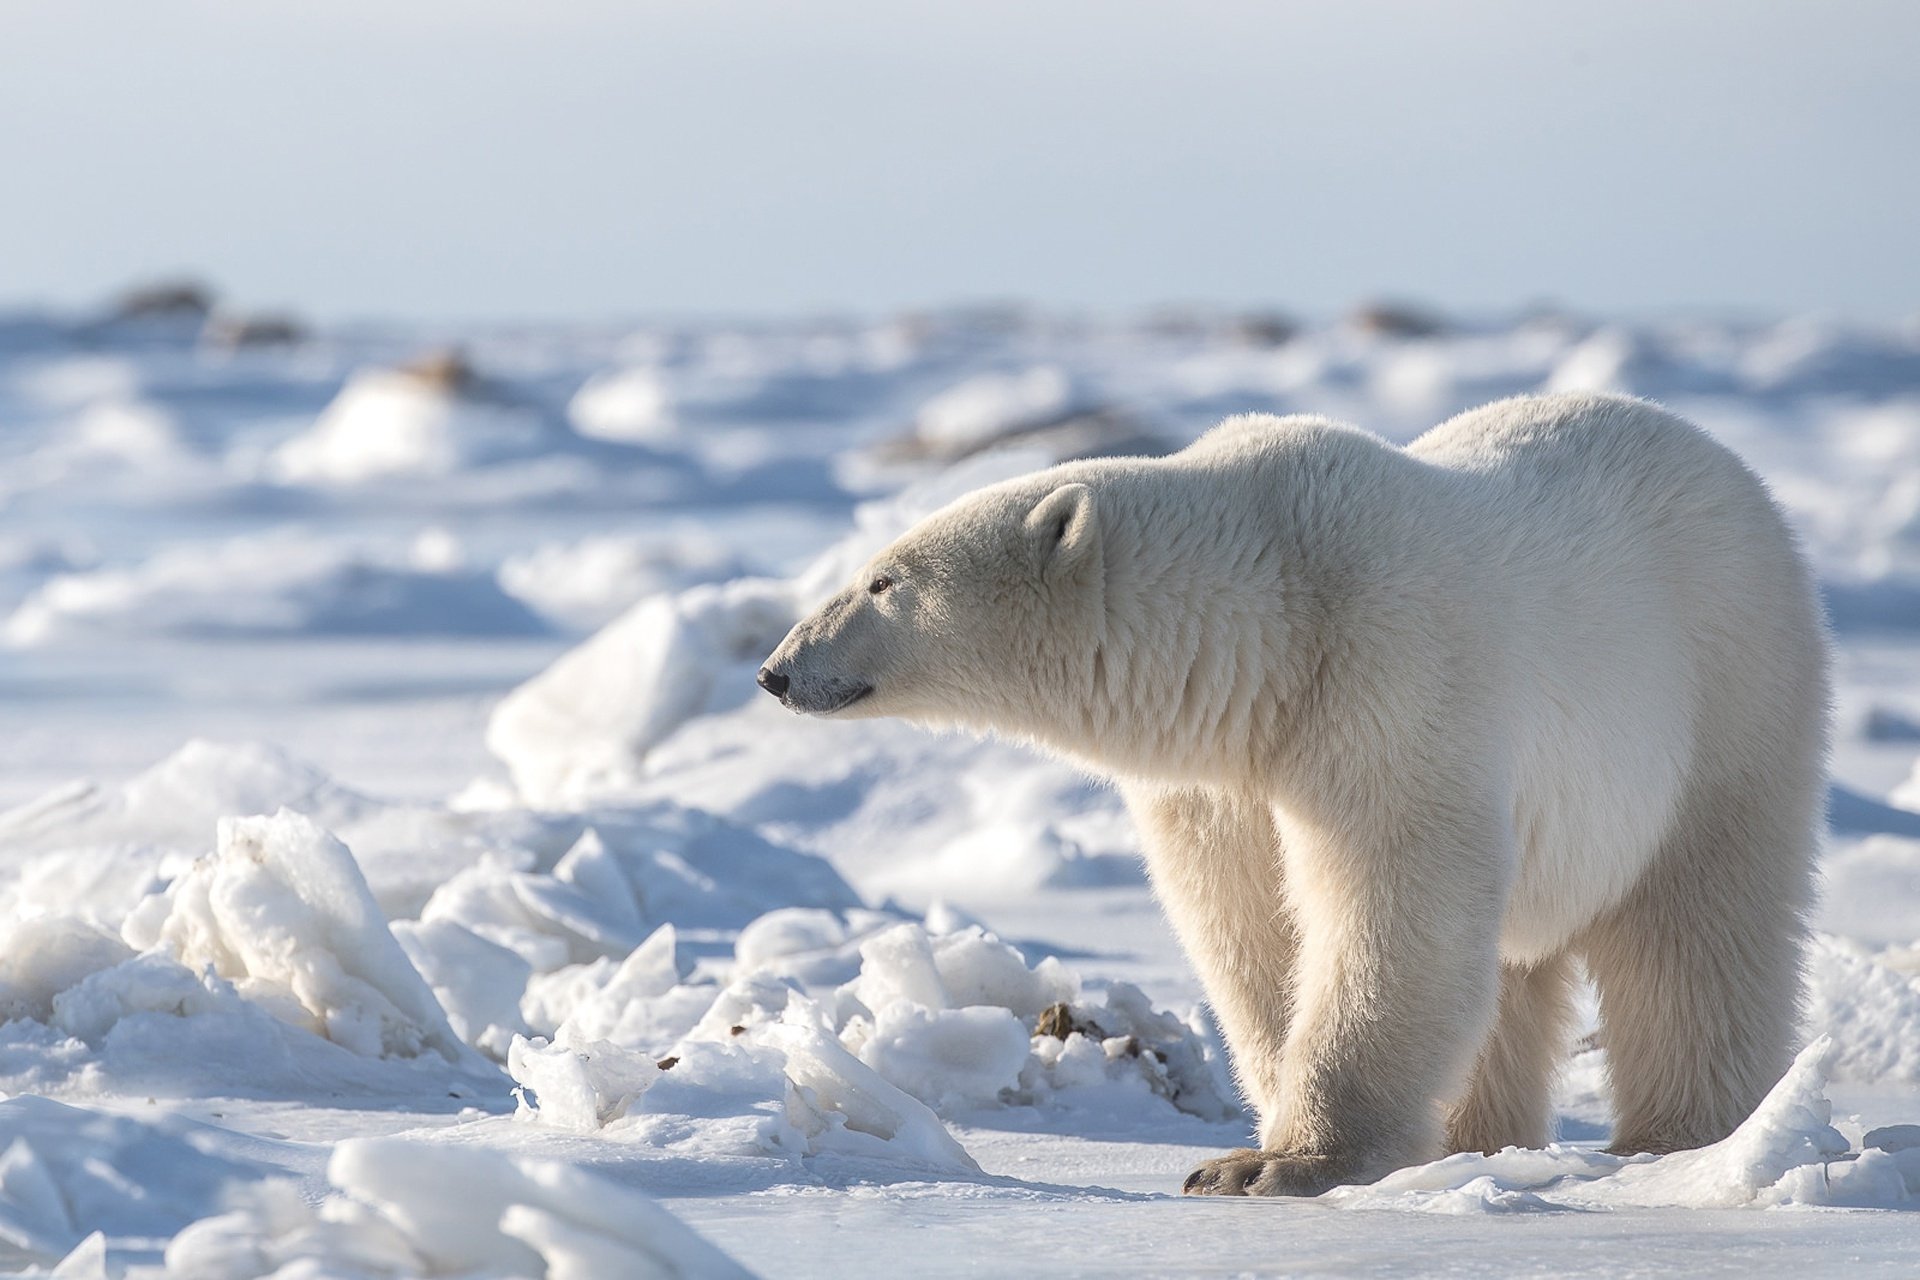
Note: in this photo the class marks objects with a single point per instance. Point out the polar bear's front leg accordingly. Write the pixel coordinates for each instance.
(1397, 981)
(1215, 861)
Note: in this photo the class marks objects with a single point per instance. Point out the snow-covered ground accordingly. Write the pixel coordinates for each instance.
(400, 874)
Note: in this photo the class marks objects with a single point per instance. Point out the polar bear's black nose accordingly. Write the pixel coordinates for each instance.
(773, 682)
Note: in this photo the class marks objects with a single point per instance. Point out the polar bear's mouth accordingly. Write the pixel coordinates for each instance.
(858, 692)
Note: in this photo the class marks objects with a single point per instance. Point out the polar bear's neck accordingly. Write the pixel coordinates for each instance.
(1225, 571)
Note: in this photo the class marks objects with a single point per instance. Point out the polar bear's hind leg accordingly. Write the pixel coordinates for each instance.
(1699, 969)
(1508, 1102)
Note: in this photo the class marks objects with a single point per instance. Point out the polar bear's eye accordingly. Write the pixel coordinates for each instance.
(879, 584)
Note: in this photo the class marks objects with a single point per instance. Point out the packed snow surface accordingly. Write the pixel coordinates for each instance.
(401, 875)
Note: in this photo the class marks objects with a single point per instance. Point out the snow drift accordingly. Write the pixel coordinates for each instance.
(402, 1209)
(283, 584)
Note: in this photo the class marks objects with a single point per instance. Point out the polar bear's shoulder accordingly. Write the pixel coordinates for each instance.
(1251, 436)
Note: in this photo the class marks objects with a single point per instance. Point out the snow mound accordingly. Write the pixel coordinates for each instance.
(1871, 1010)
(588, 949)
(1867, 885)
(403, 1209)
(94, 850)
(628, 406)
(1633, 362)
(923, 1027)
(583, 728)
(115, 435)
(967, 416)
(44, 955)
(102, 848)
(176, 803)
(791, 1090)
(69, 1176)
(636, 1001)
(275, 948)
(270, 584)
(586, 583)
(1786, 1153)
(627, 875)
(955, 1020)
(397, 424)
(1907, 794)
(262, 968)
(281, 911)
(960, 1021)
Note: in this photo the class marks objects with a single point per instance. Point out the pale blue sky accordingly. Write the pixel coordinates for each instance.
(467, 158)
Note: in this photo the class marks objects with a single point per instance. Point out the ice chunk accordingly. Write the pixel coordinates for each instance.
(898, 965)
(784, 1086)
(1893, 1137)
(977, 968)
(109, 846)
(580, 1085)
(609, 1000)
(281, 911)
(636, 869)
(1790, 1128)
(840, 1083)
(960, 1021)
(948, 1058)
(477, 982)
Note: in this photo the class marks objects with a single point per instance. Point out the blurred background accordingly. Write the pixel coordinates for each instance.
(358, 362)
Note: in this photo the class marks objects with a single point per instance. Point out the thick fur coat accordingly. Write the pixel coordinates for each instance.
(1408, 734)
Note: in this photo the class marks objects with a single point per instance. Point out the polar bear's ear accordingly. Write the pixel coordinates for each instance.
(1063, 526)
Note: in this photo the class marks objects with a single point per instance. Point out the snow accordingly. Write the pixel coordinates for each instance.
(388, 424)
(363, 914)
(628, 405)
(282, 584)
(416, 1209)
(587, 583)
(973, 413)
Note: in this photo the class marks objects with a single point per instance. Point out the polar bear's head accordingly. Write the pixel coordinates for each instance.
(981, 615)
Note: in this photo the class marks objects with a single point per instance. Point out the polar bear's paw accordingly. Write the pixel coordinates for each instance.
(1247, 1172)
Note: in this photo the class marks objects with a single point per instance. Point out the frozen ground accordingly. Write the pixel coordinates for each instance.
(399, 873)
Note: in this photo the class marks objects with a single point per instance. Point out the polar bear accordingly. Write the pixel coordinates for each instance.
(1409, 733)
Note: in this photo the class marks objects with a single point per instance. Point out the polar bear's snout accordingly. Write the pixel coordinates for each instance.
(822, 665)
(820, 696)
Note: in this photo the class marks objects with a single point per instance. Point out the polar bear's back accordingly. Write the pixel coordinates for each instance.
(1550, 447)
(1606, 491)
(1662, 628)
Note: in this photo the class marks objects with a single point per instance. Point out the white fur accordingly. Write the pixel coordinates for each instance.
(1408, 732)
